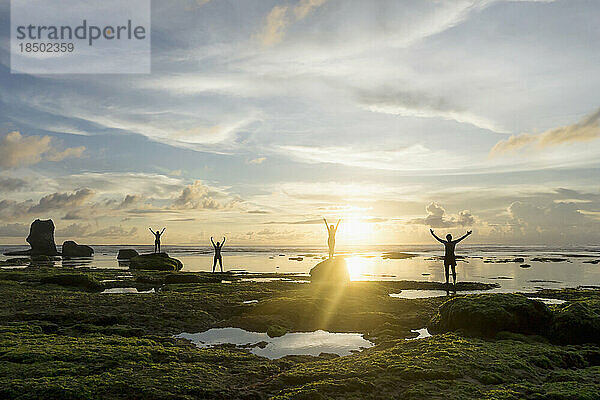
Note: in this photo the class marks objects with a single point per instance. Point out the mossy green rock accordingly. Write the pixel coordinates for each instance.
(276, 331)
(81, 281)
(156, 262)
(577, 322)
(488, 314)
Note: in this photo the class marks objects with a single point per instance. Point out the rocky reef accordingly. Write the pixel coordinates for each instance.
(487, 315)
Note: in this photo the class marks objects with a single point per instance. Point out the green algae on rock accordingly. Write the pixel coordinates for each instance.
(577, 322)
(488, 314)
(155, 262)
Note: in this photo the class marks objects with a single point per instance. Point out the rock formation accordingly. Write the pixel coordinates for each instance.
(156, 262)
(72, 249)
(41, 240)
(41, 237)
(332, 270)
(488, 314)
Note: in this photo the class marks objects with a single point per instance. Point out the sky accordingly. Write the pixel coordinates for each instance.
(261, 117)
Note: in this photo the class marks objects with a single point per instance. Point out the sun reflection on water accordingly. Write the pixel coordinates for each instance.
(359, 267)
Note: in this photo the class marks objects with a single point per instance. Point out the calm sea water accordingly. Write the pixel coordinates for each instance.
(369, 263)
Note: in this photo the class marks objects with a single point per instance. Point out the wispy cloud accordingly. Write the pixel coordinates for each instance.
(305, 7)
(278, 19)
(17, 150)
(411, 158)
(418, 104)
(273, 30)
(584, 131)
(258, 160)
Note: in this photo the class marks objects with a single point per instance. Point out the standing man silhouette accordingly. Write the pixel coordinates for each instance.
(331, 230)
(157, 236)
(449, 256)
(218, 256)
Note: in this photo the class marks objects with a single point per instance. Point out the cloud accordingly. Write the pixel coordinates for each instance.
(583, 131)
(410, 158)
(114, 232)
(17, 150)
(198, 196)
(437, 218)
(11, 184)
(303, 222)
(71, 215)
(276, 22)
(72, 152)
(416, 104)
(258, 160)
(56, 201)
(305, 7)
(526, 214)
(130, 200)
(73, 230)
(14, 230)
(70, 202)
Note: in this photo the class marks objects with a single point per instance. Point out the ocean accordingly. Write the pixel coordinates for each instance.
(570, 267)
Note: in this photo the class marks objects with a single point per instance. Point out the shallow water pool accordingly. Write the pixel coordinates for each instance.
(296, 343)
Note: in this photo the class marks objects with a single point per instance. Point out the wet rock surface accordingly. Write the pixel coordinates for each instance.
(72, 249)
(127, 254)
(155, 262)
(41, 237)
(332, 270)
(487, 314)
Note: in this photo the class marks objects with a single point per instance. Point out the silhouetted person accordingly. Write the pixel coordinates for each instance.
(218, 257)
(157, 236)
(331, 230)
(449, 256)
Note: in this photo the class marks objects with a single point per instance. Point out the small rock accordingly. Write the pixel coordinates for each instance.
(525, 266)
(592, 261)
(276, 331)
(127, 254)
(72, 249)
(397, 256)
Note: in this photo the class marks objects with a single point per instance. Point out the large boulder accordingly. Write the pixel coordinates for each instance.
(332, 270)
(577, 322)
(41, 237)
(127, 254)
(487, 314)
(156, 262)
(72, 249)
